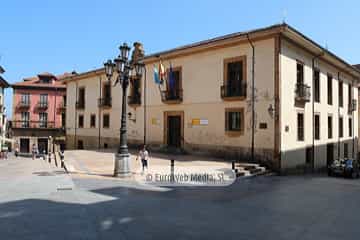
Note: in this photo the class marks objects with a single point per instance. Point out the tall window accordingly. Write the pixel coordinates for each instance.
(341, 127)
(300, 126)
(235, 77)
(341, 95)
(25, 119)
(174, 86)
(330, 127)
(299, 73)
(43, 116)
(106, 121)
(349, 95)
(43, 100)
(25, 98)
(350, 127)
(317, 126)
(92, 120)
(329, 89)
(234, 120)
(81, 121)
(317, 85)
(81, 98)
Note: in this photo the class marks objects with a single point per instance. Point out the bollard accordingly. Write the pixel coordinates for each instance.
(233, 165)
(172, 166)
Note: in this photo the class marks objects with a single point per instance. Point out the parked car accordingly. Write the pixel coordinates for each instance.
(344, 167)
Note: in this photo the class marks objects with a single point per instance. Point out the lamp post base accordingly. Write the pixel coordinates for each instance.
(122, 165)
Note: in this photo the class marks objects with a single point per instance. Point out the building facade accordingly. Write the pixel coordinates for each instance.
(39, 112)
(270, 95)
(3, 120)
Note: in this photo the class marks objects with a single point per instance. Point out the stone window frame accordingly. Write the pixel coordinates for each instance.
(235, 133)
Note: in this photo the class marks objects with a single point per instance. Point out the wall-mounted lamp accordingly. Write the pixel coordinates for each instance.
(131, 119)
(271, 110)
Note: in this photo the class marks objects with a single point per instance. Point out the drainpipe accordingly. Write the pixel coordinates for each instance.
(313, 109)
(76, 100)
(252, 100)
(99, 112)
(339, 116)
(145, 105)
(352, 122)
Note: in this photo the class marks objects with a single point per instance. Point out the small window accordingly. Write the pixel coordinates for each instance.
(317, 86)
(234, 120)
(92, 120)
(350, 127)
(329, 89)
(341, 95)
(300, 126)
(317, 127)
(81, 121)
(263, 125)
(330, 127)
(341, 127)
(106, 121)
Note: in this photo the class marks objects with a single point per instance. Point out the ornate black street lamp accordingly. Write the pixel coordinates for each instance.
(126, 69)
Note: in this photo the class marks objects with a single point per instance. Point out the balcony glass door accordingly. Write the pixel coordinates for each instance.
(25, 117)
(43, 120)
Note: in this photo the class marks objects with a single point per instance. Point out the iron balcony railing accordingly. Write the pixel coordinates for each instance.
(62, 106)
(33, 124)
(42, 104)
(134, 99)
(24, 104)
(236, 90)
(80, 105)
(172, 95)
(302, 92)
(105, 102)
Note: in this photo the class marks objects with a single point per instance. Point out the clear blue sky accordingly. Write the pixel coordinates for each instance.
(66, 35)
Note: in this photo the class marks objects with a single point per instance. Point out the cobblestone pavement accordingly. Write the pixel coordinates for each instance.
(40, 201)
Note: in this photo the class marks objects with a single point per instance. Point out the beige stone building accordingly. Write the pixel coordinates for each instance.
(272, 90)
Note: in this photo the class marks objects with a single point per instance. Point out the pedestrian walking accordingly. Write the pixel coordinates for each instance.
(16, 151)
(144, 156)
(34, 151)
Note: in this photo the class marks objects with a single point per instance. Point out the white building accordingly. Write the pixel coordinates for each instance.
(272, 90)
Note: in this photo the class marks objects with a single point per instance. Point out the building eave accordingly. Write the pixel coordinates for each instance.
(84, 75)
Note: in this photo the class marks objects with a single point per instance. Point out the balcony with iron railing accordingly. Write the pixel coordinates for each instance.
(105, 102)
(23, 104)
(233, 92)
(172, 96)
(33, 124)
(80, 105)
(62, 106)
(42, 105)
(134, 99)
(302, 92)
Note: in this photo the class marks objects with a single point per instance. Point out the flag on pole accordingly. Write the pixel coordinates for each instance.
(156, 76)
(161, 72)
(171, 78)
